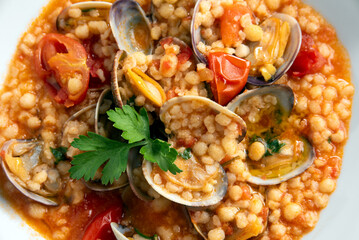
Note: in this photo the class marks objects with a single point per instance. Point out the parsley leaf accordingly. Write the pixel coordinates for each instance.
(135, 126)
(186, 154)
(113, 154)
(160, 152)
(98, 150)
(59, 153)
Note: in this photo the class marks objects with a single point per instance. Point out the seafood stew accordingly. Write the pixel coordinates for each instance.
(308, 135)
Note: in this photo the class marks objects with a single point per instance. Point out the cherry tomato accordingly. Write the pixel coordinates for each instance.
(230, 76)
(309, 59)
(59, 60)
(230, 22)
(100, 228)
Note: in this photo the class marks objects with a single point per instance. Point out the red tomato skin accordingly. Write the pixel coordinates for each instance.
(100, 228)
(56, 57)
(309, 59)
(230, 76)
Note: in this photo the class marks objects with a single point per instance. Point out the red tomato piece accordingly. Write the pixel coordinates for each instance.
(309, 59)
(230, 22)
(100, 228)
(58, 59)
(184, 55)
(230, 76)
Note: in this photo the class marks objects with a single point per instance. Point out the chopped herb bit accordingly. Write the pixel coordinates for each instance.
(114, 154)
(154, 237)
(329, 140)
(186, 154)
(273, 146)
(87, 10)
(59, 153)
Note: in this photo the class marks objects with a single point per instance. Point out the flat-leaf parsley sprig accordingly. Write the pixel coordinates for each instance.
(113, 154)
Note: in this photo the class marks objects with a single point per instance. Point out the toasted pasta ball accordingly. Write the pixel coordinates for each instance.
(327, 185)
(28, 101)
(216, 234)
(216, 152)
(256, 151)
(291, 211)
(241, 220)
(235, 192)
(256, 205)
(200, 148)
(253, 32)
(227, 214)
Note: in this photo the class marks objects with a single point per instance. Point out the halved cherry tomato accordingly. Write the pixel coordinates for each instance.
(59, 60)
(309, 59)
(100, 228)
(230, 76)
(230, 22)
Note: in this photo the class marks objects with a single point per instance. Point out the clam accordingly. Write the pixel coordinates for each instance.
(272, 170)
(280, 45)
(130, 27)
(19, 158)
(207, 184)
(103, 128)
(253, 229)
(91, 11)
(284, 153)
(135, 162)
(138, 81)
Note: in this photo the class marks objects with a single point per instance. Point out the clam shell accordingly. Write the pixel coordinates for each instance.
(46, 200)
(125, 16)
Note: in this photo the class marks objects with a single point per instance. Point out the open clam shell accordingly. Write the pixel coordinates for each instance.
(207, 187)
(104, 102)
(64, 22)
(219, 191)
(135, 161)
(22, 156)
(303, 158)
(298, 154)
(130, 27)
(290, 53)
(283, 93)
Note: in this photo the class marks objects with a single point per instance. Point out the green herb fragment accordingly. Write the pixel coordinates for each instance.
(329, 140)
(87, 10)
(113, 154)
(273, 146)
(186, 154)
(154, 237)
(59, 153)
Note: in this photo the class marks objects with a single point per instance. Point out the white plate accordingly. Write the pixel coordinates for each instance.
(338, 221)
